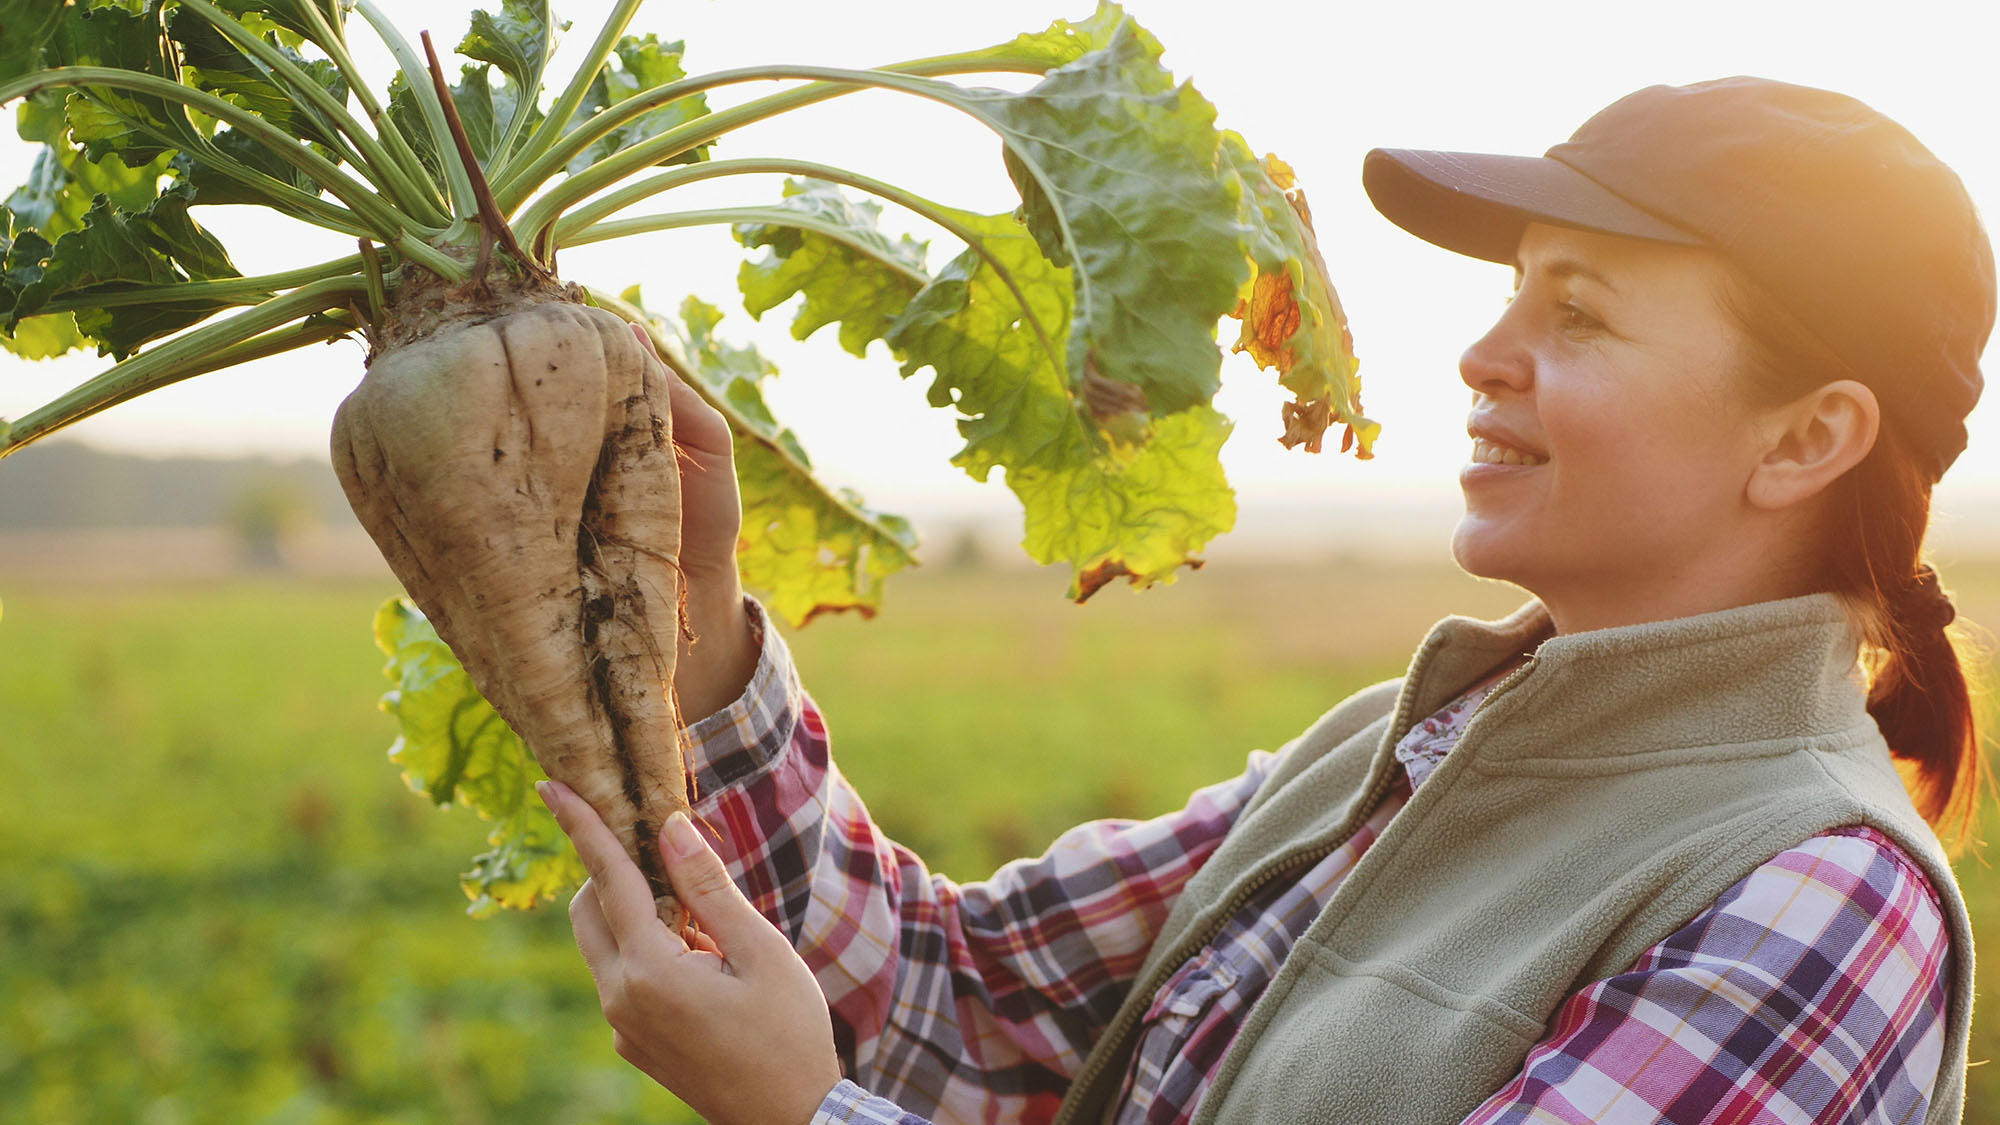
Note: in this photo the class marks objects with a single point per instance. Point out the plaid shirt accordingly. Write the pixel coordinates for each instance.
(1812, 990)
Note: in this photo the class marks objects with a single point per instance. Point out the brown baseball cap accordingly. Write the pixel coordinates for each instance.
(1856, 228)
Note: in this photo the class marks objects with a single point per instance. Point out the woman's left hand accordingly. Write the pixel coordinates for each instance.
(736, 1026)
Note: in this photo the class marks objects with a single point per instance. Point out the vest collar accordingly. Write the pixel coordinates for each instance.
(1767, 672)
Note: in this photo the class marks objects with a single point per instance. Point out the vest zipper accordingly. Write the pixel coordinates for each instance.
(1193, 942)
(1304, 857)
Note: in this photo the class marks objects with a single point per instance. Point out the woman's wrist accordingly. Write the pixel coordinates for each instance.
(716, 665)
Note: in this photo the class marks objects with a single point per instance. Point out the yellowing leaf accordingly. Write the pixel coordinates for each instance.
(1292, 319)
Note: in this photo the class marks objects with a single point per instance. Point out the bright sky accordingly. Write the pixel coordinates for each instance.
(1318, 83)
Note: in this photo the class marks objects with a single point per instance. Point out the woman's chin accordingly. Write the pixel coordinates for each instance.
(1485, 549)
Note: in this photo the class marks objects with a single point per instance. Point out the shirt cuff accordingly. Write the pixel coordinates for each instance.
(848, 1104)
(750, 735)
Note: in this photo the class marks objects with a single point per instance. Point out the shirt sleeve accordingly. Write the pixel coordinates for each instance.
(981, 998)
(1813, 990)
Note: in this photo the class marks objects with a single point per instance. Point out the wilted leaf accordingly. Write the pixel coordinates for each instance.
(1292, 320)
(454, 748)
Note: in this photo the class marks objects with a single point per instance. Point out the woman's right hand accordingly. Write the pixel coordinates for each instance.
(714, 668)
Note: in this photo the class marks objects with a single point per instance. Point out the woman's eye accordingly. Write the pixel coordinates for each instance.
(1576, 318)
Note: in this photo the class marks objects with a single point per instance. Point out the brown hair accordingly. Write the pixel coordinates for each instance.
(1870, 549)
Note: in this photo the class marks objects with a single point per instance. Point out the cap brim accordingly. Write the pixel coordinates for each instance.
(1479, 203)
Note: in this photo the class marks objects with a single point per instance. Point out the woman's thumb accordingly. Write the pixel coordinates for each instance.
(705, 888)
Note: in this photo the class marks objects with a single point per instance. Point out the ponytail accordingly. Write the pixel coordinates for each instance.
(1917, 689)
(1870, 552)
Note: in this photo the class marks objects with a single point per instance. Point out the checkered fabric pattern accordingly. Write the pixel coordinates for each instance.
(1811, 991)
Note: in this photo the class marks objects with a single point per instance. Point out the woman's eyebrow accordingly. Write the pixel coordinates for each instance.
(1560, 268)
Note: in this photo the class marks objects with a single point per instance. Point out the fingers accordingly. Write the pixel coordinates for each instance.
(697, 425)
(740, 934)
(593, 933)
(621, 891)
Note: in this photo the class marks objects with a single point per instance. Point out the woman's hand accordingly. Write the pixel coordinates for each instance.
(713, 668)
(736, 1027)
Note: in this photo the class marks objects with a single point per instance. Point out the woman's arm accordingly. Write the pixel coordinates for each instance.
(1813, 990)
(982, 994)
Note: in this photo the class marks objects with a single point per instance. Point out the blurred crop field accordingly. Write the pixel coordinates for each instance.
(222, 905)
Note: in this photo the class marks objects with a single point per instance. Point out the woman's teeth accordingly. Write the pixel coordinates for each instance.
(1487, 452)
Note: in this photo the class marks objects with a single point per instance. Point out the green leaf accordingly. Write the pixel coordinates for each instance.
(641, 64)
(138, 128)
(1062, 42)
(1137, 509)
(841, 283)
(26, 26)
(405, 114)
(973, 330)
(116, 250)
(44, 337)
(1142, 518)
(211, 62)
(285, 20)
(213, 188)
(1085, 499)
(455, 749)
(518, 42)
(1119, 172)
(806, 548)
(484, 108)
(63, 181)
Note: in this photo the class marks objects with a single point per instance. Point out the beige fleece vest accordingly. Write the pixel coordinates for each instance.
(1599, 798)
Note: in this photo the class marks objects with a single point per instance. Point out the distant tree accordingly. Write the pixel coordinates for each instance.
(265, 513)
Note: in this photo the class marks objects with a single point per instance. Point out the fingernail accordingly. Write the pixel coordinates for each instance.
(682, 839)
(547, 793)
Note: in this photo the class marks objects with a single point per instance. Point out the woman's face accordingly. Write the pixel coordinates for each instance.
(1611, 443)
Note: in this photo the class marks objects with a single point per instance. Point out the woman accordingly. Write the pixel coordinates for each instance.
(1640, 851)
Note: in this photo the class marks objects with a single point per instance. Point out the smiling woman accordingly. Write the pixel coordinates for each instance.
(1612, 478)
(1641, 851)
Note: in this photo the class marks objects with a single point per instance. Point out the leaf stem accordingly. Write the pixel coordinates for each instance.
(457, 181)
(332, 39)
(388, 222)
(675, 141)
(371, 272)
(551, 128)
(776, 216)
(369, 158)
(189, 354)
(492, 225)
(512, 187)
(275, 193)
(236, 290)
(586, 221)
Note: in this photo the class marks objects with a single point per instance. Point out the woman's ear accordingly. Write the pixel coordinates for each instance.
(1810, 441)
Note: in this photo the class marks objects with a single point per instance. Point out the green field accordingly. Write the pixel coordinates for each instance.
(222, 905)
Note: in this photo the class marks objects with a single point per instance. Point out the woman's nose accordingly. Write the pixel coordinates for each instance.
(1498, 360)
